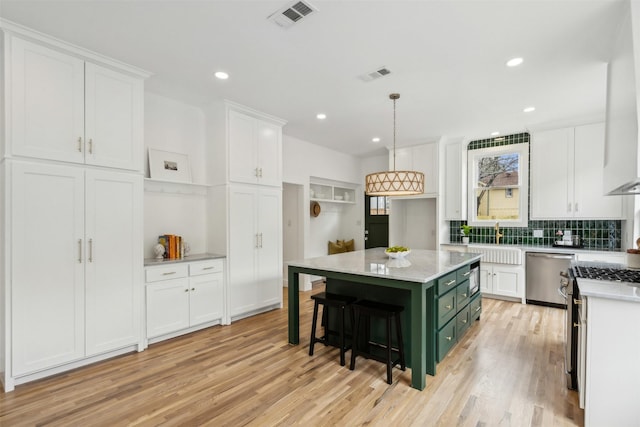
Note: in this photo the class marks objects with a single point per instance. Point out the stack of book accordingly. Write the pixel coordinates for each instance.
(173, 246)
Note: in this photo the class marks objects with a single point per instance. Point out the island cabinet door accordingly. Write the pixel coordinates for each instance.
(446, 339)
(446, 307)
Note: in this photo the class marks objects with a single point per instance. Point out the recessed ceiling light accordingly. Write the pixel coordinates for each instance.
(376, 139)
(221, 75)
(529, 109)
(321, 116)
(495, 133)
(514, 62)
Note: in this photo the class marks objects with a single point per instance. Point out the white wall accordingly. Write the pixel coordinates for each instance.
(292, 229)
(302, 160)
(171, 125)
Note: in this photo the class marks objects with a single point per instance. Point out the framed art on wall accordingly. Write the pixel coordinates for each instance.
(168, 166)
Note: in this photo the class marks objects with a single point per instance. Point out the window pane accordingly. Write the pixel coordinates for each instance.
(493, 200)
(499, 171)
(494, 204)
(373, 205)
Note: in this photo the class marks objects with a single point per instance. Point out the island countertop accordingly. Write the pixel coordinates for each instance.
(420, 266)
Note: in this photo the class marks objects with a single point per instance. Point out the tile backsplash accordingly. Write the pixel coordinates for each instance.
(602, 235)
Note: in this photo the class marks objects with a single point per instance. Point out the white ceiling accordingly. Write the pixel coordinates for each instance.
(447, 60)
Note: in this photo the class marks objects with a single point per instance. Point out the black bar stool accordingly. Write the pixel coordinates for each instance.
(367, 309)
(341, 302)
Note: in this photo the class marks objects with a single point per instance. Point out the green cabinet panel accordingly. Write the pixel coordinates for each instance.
(463, 294)
(475, 307)
(463, 273)
(446, 307)
(463, 321)
(448, 282)
(446, 339)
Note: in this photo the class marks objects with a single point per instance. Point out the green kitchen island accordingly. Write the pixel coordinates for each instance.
(429, 284)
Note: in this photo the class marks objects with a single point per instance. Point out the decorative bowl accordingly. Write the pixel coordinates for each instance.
(396, 255)
(337, 197)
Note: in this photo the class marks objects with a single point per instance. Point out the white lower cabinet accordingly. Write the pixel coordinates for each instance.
(76, 263)
(502, 280)
(183, 297)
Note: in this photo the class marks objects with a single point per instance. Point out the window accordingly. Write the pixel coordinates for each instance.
(498, 185)
(378, 205)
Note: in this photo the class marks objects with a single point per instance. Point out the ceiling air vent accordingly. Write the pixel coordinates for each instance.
(380, 72)
(292, 13)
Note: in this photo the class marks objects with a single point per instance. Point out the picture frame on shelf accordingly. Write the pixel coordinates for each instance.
(169, 166)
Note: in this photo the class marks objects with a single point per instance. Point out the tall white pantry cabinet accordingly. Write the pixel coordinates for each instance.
(71, 204)
(245, 206)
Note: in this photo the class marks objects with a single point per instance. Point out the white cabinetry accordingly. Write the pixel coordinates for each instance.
(455, 183)
(502, 280)
(63, 108)
(183, 297)
(612, 371)
(72, 253)
(255, 150)
(255, 249)
(420, 158)
(76, 260)
(567, 175)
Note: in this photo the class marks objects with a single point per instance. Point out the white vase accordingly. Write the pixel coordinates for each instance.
(465, 240)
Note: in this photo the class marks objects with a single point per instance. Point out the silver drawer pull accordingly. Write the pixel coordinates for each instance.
(169, 273)
(467, 274)
(477, 309)
(80, 251)
(208, 268)
(449, 338)
(450, 283)
(464, 295)
(80, 144)
(577, 301)
(448, 307)
(464, 321)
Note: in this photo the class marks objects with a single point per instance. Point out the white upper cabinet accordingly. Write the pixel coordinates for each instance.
(419, 158)
(455, 175)
(66, 109)
(255, 150)
(567, 175)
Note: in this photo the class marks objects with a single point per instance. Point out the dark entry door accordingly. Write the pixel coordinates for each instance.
(376, 221)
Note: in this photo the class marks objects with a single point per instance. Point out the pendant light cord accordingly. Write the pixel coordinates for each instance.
(394, 131)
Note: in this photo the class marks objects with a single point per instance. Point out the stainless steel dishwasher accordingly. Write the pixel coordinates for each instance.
(543, 277)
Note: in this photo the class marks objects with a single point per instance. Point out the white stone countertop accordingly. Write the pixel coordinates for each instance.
(420, 265)
(610, 290)
(550, 249)
(148, 262)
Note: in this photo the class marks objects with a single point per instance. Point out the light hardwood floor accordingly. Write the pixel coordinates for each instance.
(507, 371)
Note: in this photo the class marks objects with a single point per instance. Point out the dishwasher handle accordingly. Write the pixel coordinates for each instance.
(550, 256)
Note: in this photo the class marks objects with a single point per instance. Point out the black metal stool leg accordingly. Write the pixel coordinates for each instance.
(354, 342)
(403, 365)
(312, 340)
(389, 358)
(341, 331)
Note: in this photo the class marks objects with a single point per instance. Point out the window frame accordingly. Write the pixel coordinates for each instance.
(473, 156)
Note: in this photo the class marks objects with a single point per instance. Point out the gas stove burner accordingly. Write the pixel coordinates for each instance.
(609, 274)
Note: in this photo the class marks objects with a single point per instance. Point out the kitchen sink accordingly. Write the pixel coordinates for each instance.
(498, 254)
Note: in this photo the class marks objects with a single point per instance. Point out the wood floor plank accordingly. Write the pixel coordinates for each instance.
(507, 370)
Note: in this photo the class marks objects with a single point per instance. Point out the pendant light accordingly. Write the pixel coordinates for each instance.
(394, 183)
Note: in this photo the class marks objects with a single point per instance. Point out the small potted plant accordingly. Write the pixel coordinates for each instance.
(466, 231)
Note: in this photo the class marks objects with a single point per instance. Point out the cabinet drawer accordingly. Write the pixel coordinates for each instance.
(463, 273)
(205, 267)
(475, 308)
(462, 292)
(446, 307)
(446, 283)
(173, 271)
(463, 321)
(446, 339)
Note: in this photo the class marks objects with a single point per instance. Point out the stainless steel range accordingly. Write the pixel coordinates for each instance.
(615, 273)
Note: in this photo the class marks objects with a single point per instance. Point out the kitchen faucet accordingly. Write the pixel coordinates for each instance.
(498, 233)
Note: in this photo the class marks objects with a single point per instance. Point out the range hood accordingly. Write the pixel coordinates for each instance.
(621, 156)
